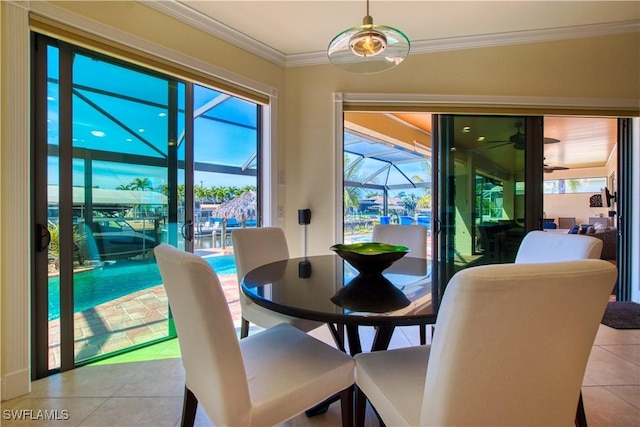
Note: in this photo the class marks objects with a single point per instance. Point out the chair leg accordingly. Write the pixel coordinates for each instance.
(337, 332)
(189, 407)
(423, 334)
(581, 417)
(244, 328)
(340, 329)
(361, 406)
(346, 406)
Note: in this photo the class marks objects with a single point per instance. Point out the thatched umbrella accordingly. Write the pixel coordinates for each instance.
(242, 207)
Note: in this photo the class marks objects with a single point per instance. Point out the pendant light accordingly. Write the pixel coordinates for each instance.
(368, 48)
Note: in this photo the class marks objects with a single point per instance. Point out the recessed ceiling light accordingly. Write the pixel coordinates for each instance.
(466, 129)
(97, 133)
(50, 98)
(481, 138)
(128, 139)
(162, 115)
(140, 130)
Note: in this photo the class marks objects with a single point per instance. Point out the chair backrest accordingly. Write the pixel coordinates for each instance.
(512, 343)
(542, 246)
(253, 247)
(412, 236)
(209, 346)
(566, 222)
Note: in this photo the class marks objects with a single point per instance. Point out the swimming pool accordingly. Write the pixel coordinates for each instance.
(115, 280)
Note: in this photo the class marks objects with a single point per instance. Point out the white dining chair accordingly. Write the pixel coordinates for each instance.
(511, 347)
(261, 380)
(542, 246)
(413, 237)
(254, 247)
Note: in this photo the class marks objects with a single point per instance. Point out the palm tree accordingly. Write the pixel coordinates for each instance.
(200, 193)
(141, 184)
(352, 195)
(423, 202)
(574, 185)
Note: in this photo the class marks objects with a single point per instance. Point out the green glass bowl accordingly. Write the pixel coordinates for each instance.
(370, 258)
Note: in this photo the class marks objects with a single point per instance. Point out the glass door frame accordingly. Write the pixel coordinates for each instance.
(444, 189)
(40, 148)
(181, 211)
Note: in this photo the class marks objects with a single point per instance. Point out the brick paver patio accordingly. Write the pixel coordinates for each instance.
(136, 318)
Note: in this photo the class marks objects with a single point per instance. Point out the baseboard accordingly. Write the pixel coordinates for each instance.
(15, 384)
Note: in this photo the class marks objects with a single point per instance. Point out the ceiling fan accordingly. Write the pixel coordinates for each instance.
(551, 169)
(518, 139)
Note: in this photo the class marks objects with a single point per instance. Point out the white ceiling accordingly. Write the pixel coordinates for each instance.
(297, 32)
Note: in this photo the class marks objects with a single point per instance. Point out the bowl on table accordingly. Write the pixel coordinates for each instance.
(370, 258)
(370, 293)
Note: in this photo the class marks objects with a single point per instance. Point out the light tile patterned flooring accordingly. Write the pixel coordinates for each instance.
(145, 387)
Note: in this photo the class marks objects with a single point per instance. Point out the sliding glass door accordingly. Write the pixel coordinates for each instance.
(126, 158)
(387, 172)
(489, 188)
(106, 189)
(483, 193)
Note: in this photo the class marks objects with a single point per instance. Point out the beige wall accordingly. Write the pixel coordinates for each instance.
(603, 67)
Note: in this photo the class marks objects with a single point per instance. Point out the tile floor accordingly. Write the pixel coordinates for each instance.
(145, 388)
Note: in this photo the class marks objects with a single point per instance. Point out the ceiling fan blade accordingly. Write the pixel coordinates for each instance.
(547, 140)
(501, 145)
(551, 169)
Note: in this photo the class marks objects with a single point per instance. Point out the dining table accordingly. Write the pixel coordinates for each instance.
(326, 288)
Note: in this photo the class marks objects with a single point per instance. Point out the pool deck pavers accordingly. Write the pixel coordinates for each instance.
(134, 319)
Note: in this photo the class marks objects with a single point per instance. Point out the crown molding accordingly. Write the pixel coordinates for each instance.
(490, 40)
(215, 28)
(52, 11)
(523, 37)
